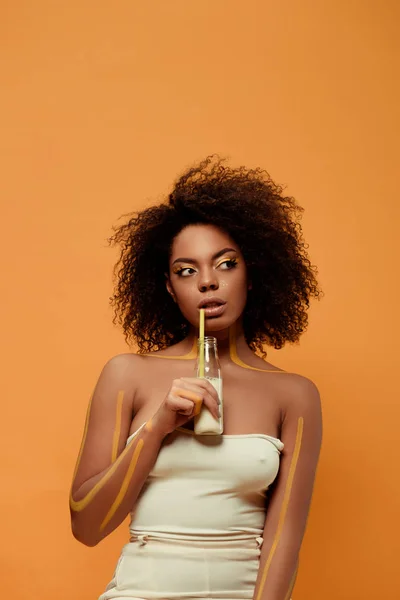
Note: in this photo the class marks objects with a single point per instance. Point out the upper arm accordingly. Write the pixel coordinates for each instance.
(108, 419)
(301, 434)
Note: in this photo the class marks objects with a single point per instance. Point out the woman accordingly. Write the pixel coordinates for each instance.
(219, 516)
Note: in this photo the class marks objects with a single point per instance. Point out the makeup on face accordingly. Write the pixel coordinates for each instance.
(185, 267)
(207, 270)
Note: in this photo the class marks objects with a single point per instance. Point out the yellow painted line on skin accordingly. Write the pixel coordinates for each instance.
(78, 505)
(85, 430)
(291, 585)
(192, 354)
(117, 430)
(124, 486)
(235, 358)
(149, 425)
(285, 504)
(198, 401)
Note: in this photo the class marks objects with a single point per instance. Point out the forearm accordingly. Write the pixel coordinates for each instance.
(277, 572)
(101, 503)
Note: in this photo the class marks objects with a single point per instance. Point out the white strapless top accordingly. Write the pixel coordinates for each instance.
(211, 486)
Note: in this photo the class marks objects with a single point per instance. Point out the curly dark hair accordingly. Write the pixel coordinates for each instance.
(252, 210)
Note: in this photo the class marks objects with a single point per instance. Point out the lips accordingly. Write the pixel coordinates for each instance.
(213, 306)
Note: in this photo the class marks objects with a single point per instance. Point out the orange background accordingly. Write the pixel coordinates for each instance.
(101, 106)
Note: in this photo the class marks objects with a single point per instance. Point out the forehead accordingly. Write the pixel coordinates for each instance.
(200, 241)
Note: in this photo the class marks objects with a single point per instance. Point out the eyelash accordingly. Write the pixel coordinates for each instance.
(232, 262)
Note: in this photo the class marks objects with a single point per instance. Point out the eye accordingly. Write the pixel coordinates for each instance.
(228, 264)
(184, 271)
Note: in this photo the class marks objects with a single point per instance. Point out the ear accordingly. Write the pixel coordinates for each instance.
(169, 287)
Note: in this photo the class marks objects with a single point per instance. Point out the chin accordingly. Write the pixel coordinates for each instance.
(218, 324)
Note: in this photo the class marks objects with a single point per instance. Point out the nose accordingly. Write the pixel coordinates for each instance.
(208, 281)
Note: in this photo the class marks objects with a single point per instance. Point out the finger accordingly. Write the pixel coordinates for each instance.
(197, 408)
(208, 391)
(196, 389)
(191, 395)
(202, 383)
(209, 401)
(181, 405)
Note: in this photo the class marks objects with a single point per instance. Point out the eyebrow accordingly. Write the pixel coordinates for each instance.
(216, 255)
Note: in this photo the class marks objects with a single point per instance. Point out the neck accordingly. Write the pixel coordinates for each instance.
(229, 341)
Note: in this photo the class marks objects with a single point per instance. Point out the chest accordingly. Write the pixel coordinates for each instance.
(251, 401)
(248, 464)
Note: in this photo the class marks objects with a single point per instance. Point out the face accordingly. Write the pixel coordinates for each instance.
(207, 270)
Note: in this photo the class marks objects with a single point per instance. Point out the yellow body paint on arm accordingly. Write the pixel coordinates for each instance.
(117, 430)
(124, 485)
(85, 430)
(78, 505)
(285, 504)
(235, 358)
(291, 584)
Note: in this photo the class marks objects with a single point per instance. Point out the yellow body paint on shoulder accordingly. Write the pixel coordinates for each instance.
(285, 504)
(235, 358)
(117, 430)
(78, 505)
(192, 354)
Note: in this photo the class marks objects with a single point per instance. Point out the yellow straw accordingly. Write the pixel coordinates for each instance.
(201, 345)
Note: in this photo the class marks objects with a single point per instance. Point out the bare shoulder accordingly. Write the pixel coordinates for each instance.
(123, 368)
(123, 362)
(178, 350)
(252, 360)
(134, 367)
(301, 394)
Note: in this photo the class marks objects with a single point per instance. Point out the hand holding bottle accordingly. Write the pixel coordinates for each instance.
(183, 401)
(205, 422)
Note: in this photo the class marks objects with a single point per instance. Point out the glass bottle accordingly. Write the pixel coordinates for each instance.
(205, 423)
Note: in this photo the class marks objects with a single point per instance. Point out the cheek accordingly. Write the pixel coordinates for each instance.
(184, 293)
(236, 288)
(187, 303)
